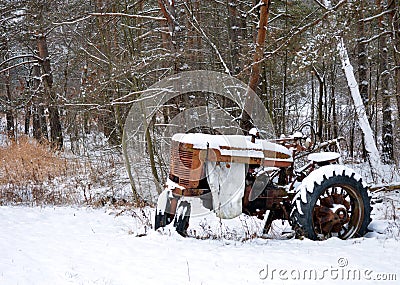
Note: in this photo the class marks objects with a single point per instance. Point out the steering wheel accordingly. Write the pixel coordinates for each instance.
(309, 135)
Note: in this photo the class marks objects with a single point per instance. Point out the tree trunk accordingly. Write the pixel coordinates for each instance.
(370, 146)
(362, 70)
(351, 141)
(362, 60)
(10, 125)
(320, 113)
(394, 6)
(320, 110)
(284, 113)
(168, 9)
(47, 77)
(150, 149)
(332, 106)
(245, 122)
(193, 38)
(110, 126)
(28, 113)
(387, 127)
(39, 123)
(170, 43)
(312, 100)
(233, 33)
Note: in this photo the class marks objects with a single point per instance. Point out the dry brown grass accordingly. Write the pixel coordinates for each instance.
(29, 172)
(28, 161)
(32, 173)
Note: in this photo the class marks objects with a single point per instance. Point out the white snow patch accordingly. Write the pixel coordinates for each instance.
(240, 145)
(298, 205)
(317, 176)
(85, 246)
(163, 200)
(227, 187)
(323, 156)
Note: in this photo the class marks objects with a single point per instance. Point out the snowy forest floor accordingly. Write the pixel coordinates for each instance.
(77, 245)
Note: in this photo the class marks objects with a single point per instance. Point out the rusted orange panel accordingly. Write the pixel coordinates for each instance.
(187, 162)
(186, 165)
(216, 156)
(188, 192)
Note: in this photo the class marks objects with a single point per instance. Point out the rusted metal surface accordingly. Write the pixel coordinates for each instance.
(186, 168)
(271, 199)
(188, 192)
(271, 158)
(333, 213)
(187, 163)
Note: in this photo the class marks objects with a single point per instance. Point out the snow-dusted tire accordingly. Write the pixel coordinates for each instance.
(164, 213)
(163, 219)
(181, 221)
(332, 201)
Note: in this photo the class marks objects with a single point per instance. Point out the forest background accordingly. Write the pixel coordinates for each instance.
(71, 69)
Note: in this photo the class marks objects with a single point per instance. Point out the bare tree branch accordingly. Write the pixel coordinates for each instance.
(375, 37)
(376, 16)
(127, 15)
(72, 21)
(298, 31)
(197, 26)
(21, 56)
(18, 64)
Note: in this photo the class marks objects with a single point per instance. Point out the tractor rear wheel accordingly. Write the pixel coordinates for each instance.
(337, 205)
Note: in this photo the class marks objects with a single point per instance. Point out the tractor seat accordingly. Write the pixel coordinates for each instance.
(324, 158)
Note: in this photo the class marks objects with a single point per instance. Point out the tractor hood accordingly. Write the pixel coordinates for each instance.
(236, 148)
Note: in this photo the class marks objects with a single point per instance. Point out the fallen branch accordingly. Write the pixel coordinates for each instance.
(385, 187)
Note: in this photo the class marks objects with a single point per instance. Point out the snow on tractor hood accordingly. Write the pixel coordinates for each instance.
(237, 145)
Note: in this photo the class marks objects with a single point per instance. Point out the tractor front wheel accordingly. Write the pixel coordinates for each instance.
(165, 210)
(171, 209)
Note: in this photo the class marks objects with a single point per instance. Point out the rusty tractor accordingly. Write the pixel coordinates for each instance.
(235, 174)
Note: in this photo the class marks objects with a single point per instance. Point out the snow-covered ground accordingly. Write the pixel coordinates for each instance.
(67, 245)
(78, 245)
